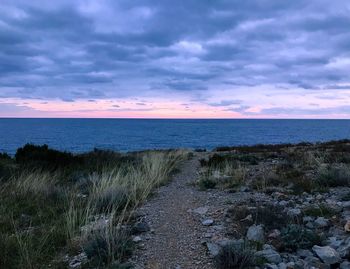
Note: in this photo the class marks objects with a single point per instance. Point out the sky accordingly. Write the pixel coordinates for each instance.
(175, 59)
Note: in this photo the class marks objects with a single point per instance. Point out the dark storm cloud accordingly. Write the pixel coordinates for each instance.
(128, 48)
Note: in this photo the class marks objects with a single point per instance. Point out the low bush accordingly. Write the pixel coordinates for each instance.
(297, 237)
(334, 176)
(233, 256)
(207, 183)
(321, 210)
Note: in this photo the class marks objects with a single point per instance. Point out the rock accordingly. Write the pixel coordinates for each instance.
(207, 222)
(201, 210)
(334, 242)
(271, 255)
(321, 222)
(309, 225)
(314, 262)
(256, 233)
(308, 219)
(78, 260)
(274, 234)
(235, 243)
(213, 249)
(344, 265)
(137, 239)
(347, 226)
(294, 212)
(327, 254)
(270, 266)
(346, 204)
(244, 189)
(140, 227)
(303, 253)
(208, 235)
(344, 248)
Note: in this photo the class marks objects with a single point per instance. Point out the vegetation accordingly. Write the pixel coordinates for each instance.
(54, 202)
(297, 237)
(302, 167)
(234, 256)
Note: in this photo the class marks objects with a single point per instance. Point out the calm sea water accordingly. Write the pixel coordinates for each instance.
(79, 135)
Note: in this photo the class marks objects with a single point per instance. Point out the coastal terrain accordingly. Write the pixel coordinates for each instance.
(263, 206)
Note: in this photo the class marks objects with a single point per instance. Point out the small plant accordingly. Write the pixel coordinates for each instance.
(334, 176)
(207, 183)
(297, 237)
(320, 210)
(233, 256)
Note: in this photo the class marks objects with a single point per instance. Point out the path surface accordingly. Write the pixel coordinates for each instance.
(177, 232)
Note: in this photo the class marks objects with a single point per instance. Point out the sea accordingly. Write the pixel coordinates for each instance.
(81, 135)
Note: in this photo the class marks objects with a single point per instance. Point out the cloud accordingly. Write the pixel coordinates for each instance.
(88, 50)
(226, 103)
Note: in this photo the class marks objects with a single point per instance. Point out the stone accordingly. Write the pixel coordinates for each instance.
(140, 227)
(344, 265)
(309, 225)
(244, 189)
(334, 242)
(137, 239)
(201, 210)
(207, 222)
(294, 212)
(308, 219)
(344, 248)
(347, 226)
(78, 260)
(346, 204)
(256, 233)
(303, 253)
(321, 222)
(327, 254)
(271, 255)
(213, 249)
(270, 266)
(274, 234)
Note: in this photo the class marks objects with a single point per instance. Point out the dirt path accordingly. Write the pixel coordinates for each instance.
(177, 232)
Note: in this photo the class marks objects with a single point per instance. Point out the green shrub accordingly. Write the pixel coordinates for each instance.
(207, 183)
(107, 246)
(320, 210)
(297, 237)
(43, 157)
(233, 256)
(334, 176)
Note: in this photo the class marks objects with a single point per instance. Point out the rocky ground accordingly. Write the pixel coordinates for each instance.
(187, 226)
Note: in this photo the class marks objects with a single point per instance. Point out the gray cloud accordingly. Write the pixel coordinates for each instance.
(129, 48)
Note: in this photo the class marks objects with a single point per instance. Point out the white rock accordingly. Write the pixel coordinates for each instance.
(345, 265)
(271, 255)
(201, 210)
(137, 239)
(207, 222)
(327, 254)
(294, 212)
(256, 233)
(213, 249)
(321, 222)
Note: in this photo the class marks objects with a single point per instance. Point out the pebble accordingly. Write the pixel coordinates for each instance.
(207, 222)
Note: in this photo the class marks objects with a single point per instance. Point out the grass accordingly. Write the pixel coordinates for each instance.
(321, 210)
(233, 256)
(54, 211)
(334, 176)
(297, 237)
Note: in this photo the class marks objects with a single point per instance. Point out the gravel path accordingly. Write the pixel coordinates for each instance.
(175, 240)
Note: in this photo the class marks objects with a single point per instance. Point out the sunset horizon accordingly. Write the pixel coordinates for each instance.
(138, 60)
